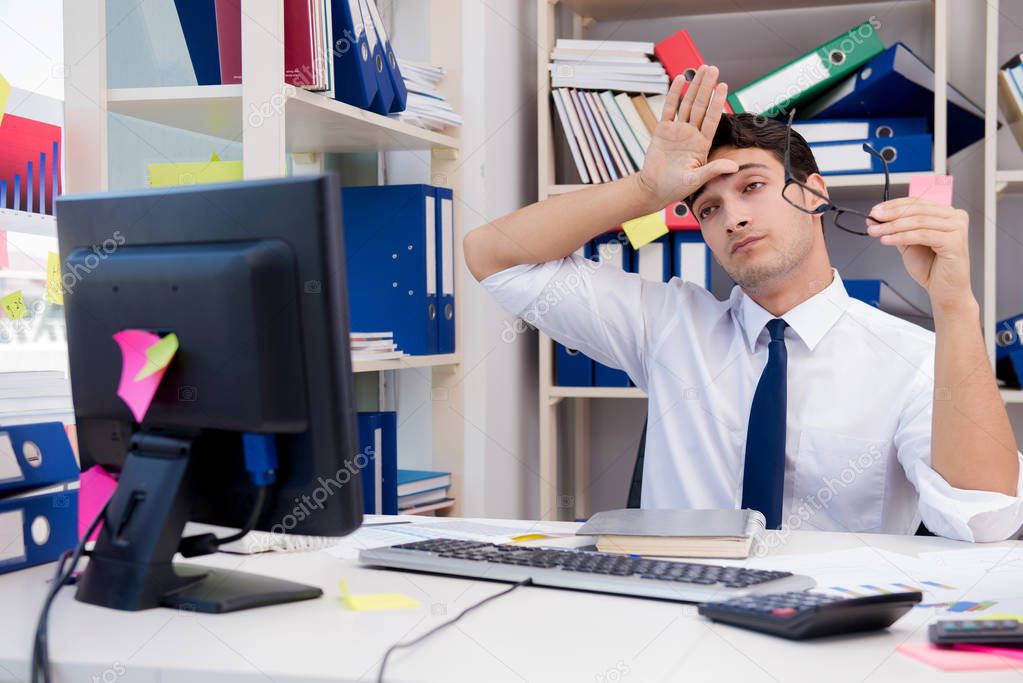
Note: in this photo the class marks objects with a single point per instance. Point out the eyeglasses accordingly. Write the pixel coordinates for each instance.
(845, 219)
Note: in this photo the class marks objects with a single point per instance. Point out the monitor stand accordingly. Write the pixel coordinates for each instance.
(131, 566)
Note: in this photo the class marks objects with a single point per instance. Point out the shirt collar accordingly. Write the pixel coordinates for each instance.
(810, 320)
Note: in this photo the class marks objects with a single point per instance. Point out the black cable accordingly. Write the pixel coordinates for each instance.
(398, 646)
(40, 647)
(207, 544)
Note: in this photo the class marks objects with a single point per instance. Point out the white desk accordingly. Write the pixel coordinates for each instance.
(533, 634)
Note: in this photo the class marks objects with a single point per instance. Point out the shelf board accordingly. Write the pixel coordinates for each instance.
(406, 362)
(1009, 182)
(596, 392)
(1012, 395)
(315, 123)
(619, 10)
(850, 185)
(23, 221)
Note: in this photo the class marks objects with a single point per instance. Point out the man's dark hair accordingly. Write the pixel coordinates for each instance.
(752, 130)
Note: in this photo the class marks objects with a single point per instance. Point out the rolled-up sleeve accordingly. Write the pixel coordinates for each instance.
(597, 309)
(960, 514)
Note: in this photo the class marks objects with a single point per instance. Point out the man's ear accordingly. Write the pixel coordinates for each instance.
(816, 181)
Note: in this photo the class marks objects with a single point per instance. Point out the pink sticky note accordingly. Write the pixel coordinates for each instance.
(1010, 652)
(956, 659)
(937, 188)
(94, 490)
(138, 394)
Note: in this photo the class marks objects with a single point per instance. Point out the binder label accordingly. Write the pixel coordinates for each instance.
(10, 470)
(12, 537)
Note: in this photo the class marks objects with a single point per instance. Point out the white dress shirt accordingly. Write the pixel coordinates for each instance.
(860, 394)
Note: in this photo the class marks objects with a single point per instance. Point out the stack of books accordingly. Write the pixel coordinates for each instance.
(374, 346)
(607, 133)
(422, 492)
(425, 106)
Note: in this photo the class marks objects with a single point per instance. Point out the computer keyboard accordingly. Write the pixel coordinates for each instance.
(584, 570)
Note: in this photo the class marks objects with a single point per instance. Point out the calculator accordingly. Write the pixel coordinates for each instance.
(803, 614)
(1004, 632)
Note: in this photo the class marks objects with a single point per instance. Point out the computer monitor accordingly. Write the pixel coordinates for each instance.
(250, 277)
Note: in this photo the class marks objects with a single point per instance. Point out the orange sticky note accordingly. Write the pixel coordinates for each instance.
(137, 394)
(14, 305)
(937, 188)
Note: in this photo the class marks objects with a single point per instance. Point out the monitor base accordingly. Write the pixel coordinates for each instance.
(225, 590)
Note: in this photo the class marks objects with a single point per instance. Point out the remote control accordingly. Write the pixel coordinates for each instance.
(980, 631)
(799, 615)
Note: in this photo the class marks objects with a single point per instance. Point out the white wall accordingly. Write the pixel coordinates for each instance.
(499, 152)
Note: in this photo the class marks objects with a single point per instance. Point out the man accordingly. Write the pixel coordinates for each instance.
(790, 397)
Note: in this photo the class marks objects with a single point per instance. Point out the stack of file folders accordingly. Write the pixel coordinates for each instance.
(38, 495)
(386, 489)
(399, 247)
(1009, 351)
(426, 106)
(681, 253)
(338, 47)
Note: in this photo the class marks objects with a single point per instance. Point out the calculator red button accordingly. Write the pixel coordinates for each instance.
(783, 611)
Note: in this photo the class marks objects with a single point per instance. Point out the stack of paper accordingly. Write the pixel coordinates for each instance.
(27, 397)
(425, 106)
(618, 65)
(374, 346)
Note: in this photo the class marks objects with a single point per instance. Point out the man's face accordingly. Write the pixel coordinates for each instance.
(756, 236)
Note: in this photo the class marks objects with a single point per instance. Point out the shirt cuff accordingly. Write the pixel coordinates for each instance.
(968, 514)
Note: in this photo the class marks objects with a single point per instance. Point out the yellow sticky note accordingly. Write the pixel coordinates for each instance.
(214, 156)
(376, 601)
(194, 172)
(527, 537)
(5, 92)
(54, 288)
(158, 356)
(645, 229)
(14, 305)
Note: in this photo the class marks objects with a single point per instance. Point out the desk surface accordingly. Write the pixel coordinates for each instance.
(533, 634)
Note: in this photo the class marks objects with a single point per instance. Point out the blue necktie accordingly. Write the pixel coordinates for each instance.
(764, 469)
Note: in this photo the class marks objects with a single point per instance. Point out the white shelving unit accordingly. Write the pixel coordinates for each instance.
(272, 119)
(584, 14)
(997, 183)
